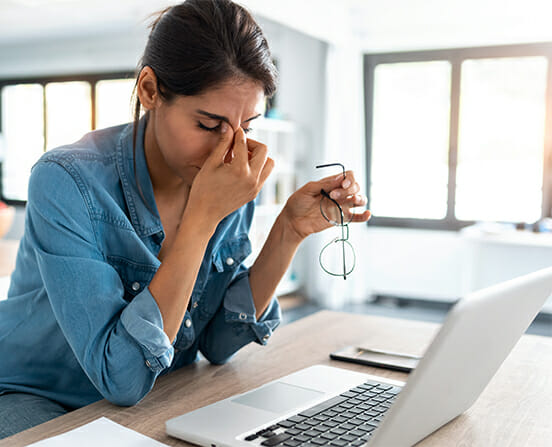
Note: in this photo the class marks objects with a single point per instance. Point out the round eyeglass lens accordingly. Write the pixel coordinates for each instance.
(332, 213)
(337, 254)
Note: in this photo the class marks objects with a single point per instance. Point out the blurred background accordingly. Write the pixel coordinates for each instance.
(442, 109)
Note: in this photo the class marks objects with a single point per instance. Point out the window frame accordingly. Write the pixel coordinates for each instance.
(455, 56)
(91, 78)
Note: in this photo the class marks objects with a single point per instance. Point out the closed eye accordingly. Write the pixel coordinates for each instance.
(217, 127)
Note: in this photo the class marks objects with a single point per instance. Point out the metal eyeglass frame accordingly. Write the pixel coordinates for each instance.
(344, 226)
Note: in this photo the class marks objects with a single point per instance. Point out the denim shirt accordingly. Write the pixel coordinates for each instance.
(80, 323)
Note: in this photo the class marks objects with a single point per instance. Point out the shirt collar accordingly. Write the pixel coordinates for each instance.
(136, 181)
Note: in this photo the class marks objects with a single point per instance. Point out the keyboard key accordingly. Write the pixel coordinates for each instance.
(329, 413)
(348, 438)
(366, 428)
(338, 431)
(321, 418)
(313, 411)
(251, 437)
(339, 419)
(358, 389)
(356, 421)
(311, 422)
(275, 440)
(353, 401)
(293, 431)
(311, 433)
(301, 438)
(296, 419)
(267, 434)
(286, 424)
(330, 436)
(357, 410)
(319, 441)
(346, 405)
(395, 390)
(338, 443)
(292, 443)
(348, 394)
(357, 433)
(347, 426)
(302, 426)
(330, 424)
(348, 415)
(358, 443)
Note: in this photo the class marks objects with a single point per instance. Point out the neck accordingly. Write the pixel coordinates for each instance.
(163, 179)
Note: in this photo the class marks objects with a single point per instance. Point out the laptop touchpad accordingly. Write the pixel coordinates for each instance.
(278, 397)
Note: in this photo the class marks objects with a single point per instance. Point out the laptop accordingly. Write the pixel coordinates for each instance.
(322, 405)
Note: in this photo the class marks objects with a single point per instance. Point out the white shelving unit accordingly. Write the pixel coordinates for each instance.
(280, 138)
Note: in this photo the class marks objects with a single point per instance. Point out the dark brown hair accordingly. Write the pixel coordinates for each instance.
(200, 44)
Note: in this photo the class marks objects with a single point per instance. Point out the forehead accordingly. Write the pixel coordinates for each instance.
(230, 98)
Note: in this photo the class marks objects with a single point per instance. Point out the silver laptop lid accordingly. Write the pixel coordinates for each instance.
(475, 339)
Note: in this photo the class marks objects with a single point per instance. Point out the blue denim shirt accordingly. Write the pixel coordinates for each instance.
(80, 323)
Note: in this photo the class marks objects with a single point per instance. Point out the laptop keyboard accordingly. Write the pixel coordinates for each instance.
(345, 420)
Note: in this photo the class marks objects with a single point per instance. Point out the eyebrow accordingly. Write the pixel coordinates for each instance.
(223, 118)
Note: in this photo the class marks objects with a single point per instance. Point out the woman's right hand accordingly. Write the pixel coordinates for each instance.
(223, 186)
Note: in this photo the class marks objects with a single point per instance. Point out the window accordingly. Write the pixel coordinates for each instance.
(39, 115)
(457, 136)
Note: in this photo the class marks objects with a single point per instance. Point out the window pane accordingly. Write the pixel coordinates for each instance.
(23, 131)
(113, 102)
(501, 139)
(409, 168)
(68, 112)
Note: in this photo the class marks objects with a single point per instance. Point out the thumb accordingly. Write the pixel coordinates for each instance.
(225, 143)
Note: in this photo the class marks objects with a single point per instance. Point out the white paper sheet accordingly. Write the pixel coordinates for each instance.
(102, 432)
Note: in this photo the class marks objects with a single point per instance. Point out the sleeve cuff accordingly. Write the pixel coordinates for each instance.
(239, 307)
(143, 321)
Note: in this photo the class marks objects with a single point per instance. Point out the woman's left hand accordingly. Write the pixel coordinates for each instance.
(302, 210)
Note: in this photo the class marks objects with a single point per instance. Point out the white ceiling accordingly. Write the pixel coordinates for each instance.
(373, 25)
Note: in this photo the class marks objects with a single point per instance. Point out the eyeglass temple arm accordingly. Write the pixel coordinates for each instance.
(333, 164)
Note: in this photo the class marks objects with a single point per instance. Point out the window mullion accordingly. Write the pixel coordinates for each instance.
(453, 136)
(547, 161)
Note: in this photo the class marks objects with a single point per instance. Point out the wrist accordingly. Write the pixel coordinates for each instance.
(202, 224)
(290, 233)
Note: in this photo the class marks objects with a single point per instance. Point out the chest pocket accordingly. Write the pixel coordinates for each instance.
(134, 276)
(225, 261)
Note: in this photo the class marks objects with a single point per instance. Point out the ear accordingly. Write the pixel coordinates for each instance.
(146, 88)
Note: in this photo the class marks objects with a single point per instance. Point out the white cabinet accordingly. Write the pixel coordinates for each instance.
(281, 139)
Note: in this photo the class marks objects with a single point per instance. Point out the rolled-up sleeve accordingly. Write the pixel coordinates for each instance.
(121, 346)
(235, 324)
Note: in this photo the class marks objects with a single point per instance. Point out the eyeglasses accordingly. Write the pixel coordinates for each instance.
(337, 257)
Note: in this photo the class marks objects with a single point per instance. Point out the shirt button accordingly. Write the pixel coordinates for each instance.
(148, 364)
(266, 337)
(188, 323)
(194, 305)
(229, 261)
(243, 316)
(135, 286)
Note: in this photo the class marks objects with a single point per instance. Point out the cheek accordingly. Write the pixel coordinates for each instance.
(180, 145)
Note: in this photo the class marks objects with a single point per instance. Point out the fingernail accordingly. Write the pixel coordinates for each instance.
(346, 183)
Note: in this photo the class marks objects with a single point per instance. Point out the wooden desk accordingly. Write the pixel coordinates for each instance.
(514, 410)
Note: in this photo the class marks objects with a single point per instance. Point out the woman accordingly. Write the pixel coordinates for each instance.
(131, 261)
